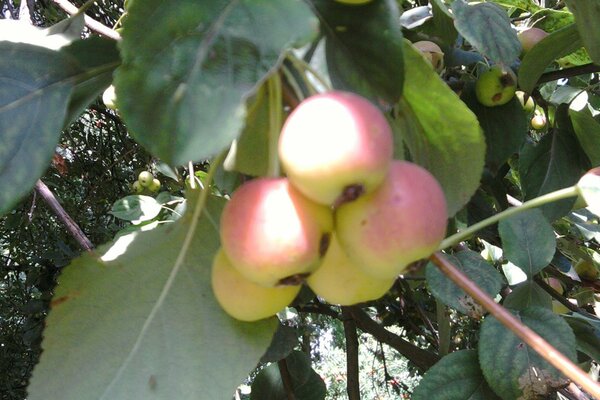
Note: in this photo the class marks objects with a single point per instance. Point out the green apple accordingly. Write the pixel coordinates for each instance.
(137, 188)
(530, 37)
(109, 98)
(403, 221)
(586, 269)
(272, 233)
(525, 100)
(432, 52)
(145, 178)
(496, 86)
(336, 147)
(154, 185)
(243, 299)
(339, 281)
(538, 122)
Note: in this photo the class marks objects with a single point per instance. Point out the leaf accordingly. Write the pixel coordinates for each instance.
(474, 266)
(552, 164)
(456, 376)
(448, 131)
(587, 333)
(551, 20)
(526, 5)
(35, 84)
(505, 128)
(487, 27)
(52, 38)
(587, 130)
(188, 68)
(528, 294)
(557, 44)
(514, 370)
(587, 15)
(284, 342)
(589, 189)
(136, 208)
(443, 22)
(353, 62)
(141, 322)
(306, 383)
(528, 241)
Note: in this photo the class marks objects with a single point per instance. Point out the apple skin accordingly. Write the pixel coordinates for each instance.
(243, 299)
(432, 52)
(528, 105)
(335, 147)
(587, 270)
(403, 221)
(496, 87)
(530, 37)
(145, 178)
(137, 188)
(109, 98)
(538, 122)
(555, 284)
(271, 232)
(154, 185)
(339, 281)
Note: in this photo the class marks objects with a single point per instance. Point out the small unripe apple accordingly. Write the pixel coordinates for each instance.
(432, 52)
(272, 233)
(530, 37)
(339, 281)
(555, 284)
(154, 185)
(335, 147)
(496, 86)
(145, 178)
(403, 221)
(243, 299)
(587, 270)
(538, 122)
(109, 98)
(559, 308)
(529, 104)
(137, 188)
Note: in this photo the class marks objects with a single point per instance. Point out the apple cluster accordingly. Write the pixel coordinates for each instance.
(346, 220)
(146, 182)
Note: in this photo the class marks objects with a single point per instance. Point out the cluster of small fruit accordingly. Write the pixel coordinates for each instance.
(146, 183)
(346, 221)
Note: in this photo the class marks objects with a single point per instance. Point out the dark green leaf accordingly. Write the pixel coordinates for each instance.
(587, 333)
(505, 128)
(551, 20)
(188, 68)
(587, 130)
(443, 22)
(444, 131)
(35, 85)
(513, 369)
(528, 294)
(457, 376)
(527, 5)
(528, 241)
(145, 324)
(136, 208)
(587, 15)
(353, 61)
(473, 266)
(283, 343)
(555, 45)
(487, 27)
(306, 383)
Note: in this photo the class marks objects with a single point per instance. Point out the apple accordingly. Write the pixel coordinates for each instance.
(529, 104)
(154, 185)
(432, 52)
(496, 86)
(555, 284)
(272, 233)
(336, 147)
(145, 178)
(587, 270)
(243, 299)
(404, 220)
(530, 37)
(109, 98)
(559, 308)
(538, 122)
(339, 281)
(137, 188)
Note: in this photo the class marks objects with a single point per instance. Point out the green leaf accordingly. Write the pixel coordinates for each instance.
(505, 127)
(457, 376)
(557, 44)
(552, 164)
(448, 141)
(589, 189)
(513, 369)
(306, 383)
(587, 15)
(52, 38)
(528, 294)
(528, 241)
(443, 22)
(551, 20)
(587, 333)
(141, 322)
(526, 5)
(136, 208)
(474, 266)
(353, 61)
(487, 27)
(35, 85)
(587, 130)
(284, 342)
(188, 68)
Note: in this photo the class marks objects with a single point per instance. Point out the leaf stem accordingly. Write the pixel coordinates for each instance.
(275, 122)
(532, 339)
(538, 201)
(304, 66)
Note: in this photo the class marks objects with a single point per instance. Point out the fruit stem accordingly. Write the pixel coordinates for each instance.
(538, 201)
(275, 121)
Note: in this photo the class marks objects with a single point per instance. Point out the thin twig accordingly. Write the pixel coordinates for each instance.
(568, 72)
(352, 381)
(91, 23)
(532, 339)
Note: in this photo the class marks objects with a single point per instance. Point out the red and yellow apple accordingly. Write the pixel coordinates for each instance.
(530, 37)
(432, 52)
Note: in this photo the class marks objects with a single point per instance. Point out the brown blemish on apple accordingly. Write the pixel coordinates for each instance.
(507, 80)
(58, 301)
(350, 193)
(497, 97)
(324, 244)
(293, 280)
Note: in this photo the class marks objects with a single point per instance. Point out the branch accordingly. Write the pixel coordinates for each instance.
(423, 359)
(91, 23)
(352, 384)
(568, 72)
(532, 339)
(72, 227)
